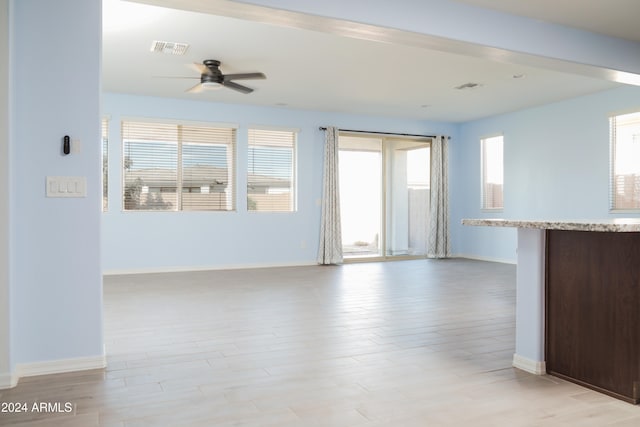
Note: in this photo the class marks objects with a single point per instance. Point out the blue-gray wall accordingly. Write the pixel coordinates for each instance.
(56, 281)
(556, 160)
(556, 166)
(165, 241)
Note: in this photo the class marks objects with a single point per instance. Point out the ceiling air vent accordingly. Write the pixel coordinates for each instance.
(469, 85)
(172, 48)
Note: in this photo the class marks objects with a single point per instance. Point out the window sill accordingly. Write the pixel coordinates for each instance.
(624, 211)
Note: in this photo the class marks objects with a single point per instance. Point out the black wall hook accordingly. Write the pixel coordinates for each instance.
(66, 145)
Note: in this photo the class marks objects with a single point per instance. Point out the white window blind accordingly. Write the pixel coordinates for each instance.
(105, 165)
(625, 161)
(492, 172)
(178, 167)
(271, 170)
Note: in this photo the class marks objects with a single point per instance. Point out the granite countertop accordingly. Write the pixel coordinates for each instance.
(619, 225)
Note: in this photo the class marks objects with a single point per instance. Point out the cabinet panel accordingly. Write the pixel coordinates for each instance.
(593, 310)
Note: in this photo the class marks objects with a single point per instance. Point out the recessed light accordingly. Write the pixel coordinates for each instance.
(519, 76)
(281, 104)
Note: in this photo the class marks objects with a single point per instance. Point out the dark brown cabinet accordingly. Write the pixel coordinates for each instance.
(593, 310)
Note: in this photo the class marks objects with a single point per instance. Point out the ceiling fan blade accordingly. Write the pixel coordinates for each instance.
(236, 86)
(195, 89)
(175, 77)
(244, 76)
(201, 68)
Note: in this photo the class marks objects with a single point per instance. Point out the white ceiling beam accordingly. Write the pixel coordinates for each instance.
(444, 25)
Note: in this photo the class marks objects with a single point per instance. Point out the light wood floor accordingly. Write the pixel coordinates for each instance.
(411, 343)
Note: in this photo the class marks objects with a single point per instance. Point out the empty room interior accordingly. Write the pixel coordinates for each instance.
(336, 213)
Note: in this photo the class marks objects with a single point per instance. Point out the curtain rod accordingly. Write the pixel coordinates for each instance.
(384, 133)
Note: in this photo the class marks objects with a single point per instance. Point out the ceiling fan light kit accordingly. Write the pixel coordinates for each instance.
(211, 85)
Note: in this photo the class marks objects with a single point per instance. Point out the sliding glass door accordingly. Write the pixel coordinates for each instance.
(384, 196)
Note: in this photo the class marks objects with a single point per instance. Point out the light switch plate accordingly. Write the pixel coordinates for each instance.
(66, 186)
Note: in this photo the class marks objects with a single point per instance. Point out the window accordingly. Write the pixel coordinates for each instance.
(105, 165)
(492, 172)
(178, 167)
(625, 161)
(271, 170)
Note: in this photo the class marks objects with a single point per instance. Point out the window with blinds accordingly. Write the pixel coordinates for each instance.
(271, 170)
(625, 161)
(178, 167)
(492, 173)
(105, 165)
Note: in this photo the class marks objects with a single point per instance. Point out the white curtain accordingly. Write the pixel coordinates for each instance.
(330, 251)
(439, 245)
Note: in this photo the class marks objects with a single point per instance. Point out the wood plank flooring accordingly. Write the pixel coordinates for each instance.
(408, 343)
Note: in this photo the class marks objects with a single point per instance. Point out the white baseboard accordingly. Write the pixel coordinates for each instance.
(61, 366)
(116, 272)
(532, 366)
(489, 259)
(8, 380)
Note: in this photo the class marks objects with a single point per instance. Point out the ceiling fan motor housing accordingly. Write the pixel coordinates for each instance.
(213, 74)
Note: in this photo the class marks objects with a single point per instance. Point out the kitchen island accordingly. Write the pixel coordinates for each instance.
(578, 301)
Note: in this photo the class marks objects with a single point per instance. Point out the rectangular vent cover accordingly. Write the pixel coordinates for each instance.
(171, 48)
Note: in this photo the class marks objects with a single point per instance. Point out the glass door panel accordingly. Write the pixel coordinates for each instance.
(360, 196)
(407, 197)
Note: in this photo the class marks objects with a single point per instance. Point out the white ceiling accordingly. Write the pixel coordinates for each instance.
(325, 72)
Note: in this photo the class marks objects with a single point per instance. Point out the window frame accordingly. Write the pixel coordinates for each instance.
(294, 167)
(104, 149)
(232, 165)
(613, 139)
(483, 173)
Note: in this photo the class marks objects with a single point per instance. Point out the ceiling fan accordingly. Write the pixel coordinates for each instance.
(211, 77)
